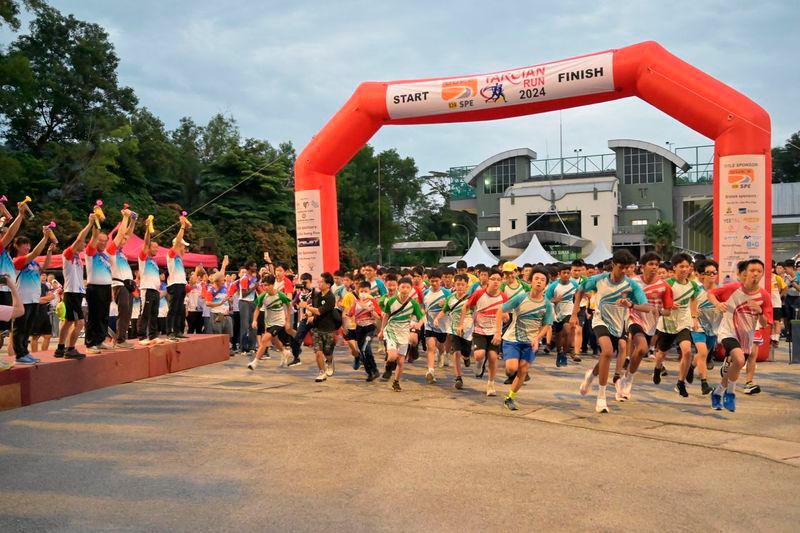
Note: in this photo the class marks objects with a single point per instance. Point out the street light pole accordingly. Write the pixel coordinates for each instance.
(466, 228)
(577, 158)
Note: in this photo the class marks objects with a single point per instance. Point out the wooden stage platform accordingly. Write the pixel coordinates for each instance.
(54, 378)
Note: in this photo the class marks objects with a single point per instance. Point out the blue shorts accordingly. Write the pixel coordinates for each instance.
(518, 350)
(709, 340)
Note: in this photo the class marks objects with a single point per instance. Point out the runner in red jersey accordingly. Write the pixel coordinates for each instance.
(745, 307)
(487, 314)
(643, 324)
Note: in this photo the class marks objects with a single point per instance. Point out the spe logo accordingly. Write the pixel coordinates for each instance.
(741, 178)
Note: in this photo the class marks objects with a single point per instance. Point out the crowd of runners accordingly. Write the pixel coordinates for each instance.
(622, 310)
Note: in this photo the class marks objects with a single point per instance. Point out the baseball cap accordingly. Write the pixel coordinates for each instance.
(509, 266)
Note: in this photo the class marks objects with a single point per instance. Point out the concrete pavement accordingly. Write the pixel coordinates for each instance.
(223, 448)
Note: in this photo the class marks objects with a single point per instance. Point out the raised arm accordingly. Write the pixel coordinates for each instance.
(47, 259)
(13, 228)
(37, 250)
(124, 227)
(179, 237)
(82, 235)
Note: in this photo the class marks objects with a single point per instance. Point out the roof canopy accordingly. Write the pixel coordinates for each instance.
(134, 246)
(535, 253)
(599, 254)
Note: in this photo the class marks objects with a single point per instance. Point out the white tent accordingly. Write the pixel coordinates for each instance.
(488, 251)
(477, 255)
(599, 254)
(535, 253)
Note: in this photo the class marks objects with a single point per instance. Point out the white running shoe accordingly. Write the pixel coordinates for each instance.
(442, 359)
(144, 342)
(252, 364)
(628, 387)
(587, 382)
(5, 365)
(490, 389)
(619, 388)
(330, 369)
(287, 357)
(321, 377)
(601, 406)
(105, 346)
(124, 344)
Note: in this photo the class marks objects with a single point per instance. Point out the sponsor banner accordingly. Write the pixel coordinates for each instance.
(561, 79)
(309, 232)
(742, 225)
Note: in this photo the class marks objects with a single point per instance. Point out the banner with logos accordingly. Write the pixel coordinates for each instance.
(309, 232)
(743, 224)
(561, 79)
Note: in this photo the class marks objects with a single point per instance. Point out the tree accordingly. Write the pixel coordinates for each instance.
(786, 161)
(9, 11)
(662, 236)
(61, 85)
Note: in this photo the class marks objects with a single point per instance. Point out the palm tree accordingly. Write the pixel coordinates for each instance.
(662, 236)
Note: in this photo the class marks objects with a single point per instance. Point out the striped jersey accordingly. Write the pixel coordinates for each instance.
(708, 315)
(681, 316)
(659, 295)
(608, 293)
(739, 321)
(529, 317)
(521, 287)
(434, 303)
(566, 293)
(454, 306)
(485, 309)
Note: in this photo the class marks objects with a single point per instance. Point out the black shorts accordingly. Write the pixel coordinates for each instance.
(440, 337)
(561, 324)
(668, 340)
(260, 323)
(582, 317)
(636, 329)
(461, 345)
(5, 299)
(72, 305)
(602, 331)
(280, 333)
(484, 342)
(777, 313)
(730, 345)
(350, 335)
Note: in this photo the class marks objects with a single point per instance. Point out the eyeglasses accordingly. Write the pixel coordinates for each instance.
(712, 273)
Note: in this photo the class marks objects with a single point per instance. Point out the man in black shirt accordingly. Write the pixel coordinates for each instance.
(320, 316)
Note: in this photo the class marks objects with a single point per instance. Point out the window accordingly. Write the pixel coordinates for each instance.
(493, 228)
(596, 220)
(550, 222)
(641, 166)
(500, 176)
(513, 223)
(640, 222)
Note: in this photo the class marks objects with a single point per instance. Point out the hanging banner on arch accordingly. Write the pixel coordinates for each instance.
(562, 79)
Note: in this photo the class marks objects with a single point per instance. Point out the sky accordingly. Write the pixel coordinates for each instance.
(282, 69)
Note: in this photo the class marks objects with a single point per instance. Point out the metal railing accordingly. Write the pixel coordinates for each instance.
(630, 230)
(581, 164)
(701, 159)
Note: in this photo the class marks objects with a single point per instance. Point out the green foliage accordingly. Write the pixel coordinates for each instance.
(786, 161)
(662, 235)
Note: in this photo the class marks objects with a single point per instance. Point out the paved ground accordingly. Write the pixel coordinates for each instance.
(221, 448)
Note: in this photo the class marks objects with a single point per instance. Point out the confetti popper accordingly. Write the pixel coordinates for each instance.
(134, 214)
(98, 213)
(24, 205)
(50, 234)
(185, 220)
(150, 227)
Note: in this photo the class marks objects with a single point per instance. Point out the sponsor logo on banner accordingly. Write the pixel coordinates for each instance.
(309, 232)
(562, 79)
(742, 192)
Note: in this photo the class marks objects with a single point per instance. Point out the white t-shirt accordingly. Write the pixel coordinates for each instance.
(176, 272)
(148, 271)
(120, 268)
(72, 268)
(98, 266)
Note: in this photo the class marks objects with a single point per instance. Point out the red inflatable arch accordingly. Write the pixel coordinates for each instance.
(739, 127)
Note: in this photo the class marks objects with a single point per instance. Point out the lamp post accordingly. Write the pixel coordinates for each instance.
(669, 145)
(577, 158)
(466, 228)
(380, 248)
